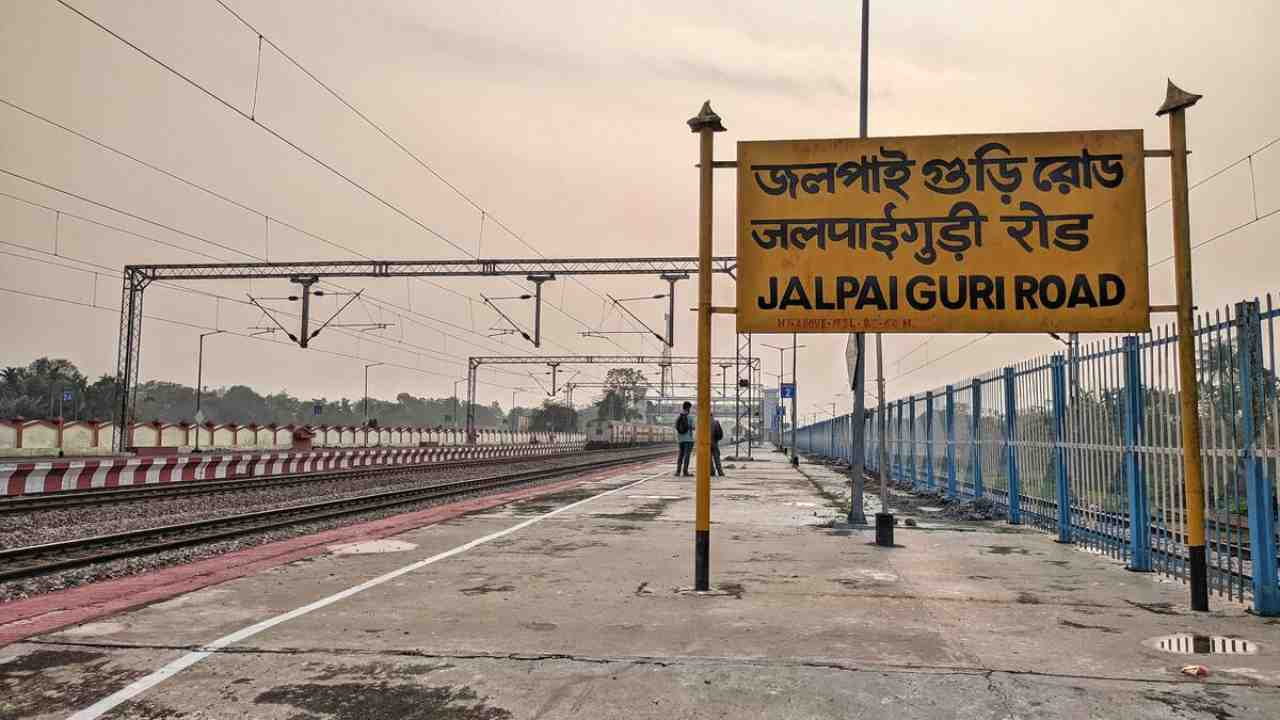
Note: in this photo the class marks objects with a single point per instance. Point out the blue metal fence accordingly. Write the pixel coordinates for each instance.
(1088, 447)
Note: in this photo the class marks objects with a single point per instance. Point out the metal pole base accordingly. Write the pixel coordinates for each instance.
(884, 529)
(858, 519)
(702, 560)
(795, 461)
(1199, 579)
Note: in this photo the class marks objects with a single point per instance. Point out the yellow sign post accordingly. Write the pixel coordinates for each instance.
(706, 124)
(1175, 106)
(1024, 232)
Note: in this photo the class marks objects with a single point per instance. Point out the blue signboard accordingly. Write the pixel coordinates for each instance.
(788, 390)
(67, 396)
(317, 409)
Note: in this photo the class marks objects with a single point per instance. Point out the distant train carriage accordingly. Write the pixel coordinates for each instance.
(618, 433)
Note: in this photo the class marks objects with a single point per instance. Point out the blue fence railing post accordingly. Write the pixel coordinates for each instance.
(890, 441)
(1010, 434)
(951, 441)
(976, 459)
(1059, 386)
(1139, 510)
(1259, 493)
(897, 441)
(928, 440)
(889, 447)
(911, 430)
(873, 440)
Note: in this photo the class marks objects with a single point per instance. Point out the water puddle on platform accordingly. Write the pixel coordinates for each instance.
(1188, 644)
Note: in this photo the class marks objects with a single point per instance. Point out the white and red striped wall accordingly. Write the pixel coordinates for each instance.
(27, 478)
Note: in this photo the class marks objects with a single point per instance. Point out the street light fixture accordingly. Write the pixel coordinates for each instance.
(781, 349)
(455, 402)
(199, 380)
(366, 390)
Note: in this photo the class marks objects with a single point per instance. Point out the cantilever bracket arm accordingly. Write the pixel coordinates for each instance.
(336, 313)
(635, 317)
(515, 326)
(271, 317)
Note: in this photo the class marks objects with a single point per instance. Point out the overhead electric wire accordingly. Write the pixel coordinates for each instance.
(1217, 172)
(313, 157)
(115, 274)
(942, 357)
(198, 326)
(231, 106)
(1194, 247)
(1219, 236)
(485, 214)
(174, 246)
(205, 189)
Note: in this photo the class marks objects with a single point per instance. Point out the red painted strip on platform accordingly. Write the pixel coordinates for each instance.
(23, 619)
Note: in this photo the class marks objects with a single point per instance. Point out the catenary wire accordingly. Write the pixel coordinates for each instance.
(115, 274)
(1194, 247)
(149, 221)
(279, 136)
(224, 198)
(198, 326)
(485, 214)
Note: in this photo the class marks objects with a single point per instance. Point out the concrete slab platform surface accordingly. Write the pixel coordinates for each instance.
(576, 604)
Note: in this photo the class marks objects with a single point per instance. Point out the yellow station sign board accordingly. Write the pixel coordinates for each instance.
(1023, 232)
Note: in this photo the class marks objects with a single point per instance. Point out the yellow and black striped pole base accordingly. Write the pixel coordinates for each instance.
(702, 560)
(1199, 579)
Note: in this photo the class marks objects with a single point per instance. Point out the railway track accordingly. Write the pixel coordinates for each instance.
(102, 496)
(36, 560)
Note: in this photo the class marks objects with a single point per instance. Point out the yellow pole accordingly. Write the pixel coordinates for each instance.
(706, 123)
(1175, 105)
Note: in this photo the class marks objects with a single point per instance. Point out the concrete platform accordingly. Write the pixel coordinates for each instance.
(513, 612)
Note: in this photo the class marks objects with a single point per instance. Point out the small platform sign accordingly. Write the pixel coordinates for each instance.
(788, 391)
(1016, 232)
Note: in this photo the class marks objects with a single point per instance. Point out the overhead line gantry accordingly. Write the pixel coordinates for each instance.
(307, 273)
(474, 363)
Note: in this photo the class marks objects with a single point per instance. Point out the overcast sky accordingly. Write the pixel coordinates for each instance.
(566, 122)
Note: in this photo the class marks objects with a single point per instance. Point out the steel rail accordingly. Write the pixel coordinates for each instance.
(33, 560)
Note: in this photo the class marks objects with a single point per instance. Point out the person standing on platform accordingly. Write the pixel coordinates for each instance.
(684, 436)
(717, 434)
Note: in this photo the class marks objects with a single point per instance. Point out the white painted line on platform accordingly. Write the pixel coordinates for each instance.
(141, 685)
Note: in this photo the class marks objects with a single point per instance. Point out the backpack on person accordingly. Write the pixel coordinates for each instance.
(682, 423)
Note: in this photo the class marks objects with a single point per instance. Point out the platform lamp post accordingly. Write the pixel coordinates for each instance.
(366, 392)
(455, 402)
(199, 380)
(782, 368)
(858, 379)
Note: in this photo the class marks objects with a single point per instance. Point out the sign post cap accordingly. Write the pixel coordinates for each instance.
(706, 118)
(1175, 98)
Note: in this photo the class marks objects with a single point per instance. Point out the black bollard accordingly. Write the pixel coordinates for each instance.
(884, 529)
